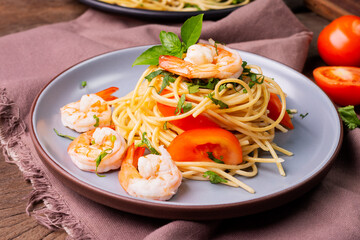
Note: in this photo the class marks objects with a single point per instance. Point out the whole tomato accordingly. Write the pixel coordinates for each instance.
(339, 42)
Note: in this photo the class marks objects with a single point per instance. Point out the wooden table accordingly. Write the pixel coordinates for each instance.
(21, 15)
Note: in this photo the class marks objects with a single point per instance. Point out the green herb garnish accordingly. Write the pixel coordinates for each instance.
(113, 138)
(101, 156)
(304, 115)
(217, 101)
(349, 117)
(97, 121)
(193, 88)
(182, 107)
(64, 136)
(214, 177)
(83, 84)
(189, 5)
(171, 44)
(167, 78)
(165, 127)
(146, 141)
(212, 157)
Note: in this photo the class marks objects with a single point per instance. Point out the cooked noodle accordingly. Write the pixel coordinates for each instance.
(178, 5)
(246, 117)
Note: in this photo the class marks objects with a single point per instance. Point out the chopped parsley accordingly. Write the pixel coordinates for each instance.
(255, 78)
(165, 127)
(214, 177)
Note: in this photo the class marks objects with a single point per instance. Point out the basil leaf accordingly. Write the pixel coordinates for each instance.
(191, 30)
(151, 56)
(349, 117)
(171, 42)
(214, 177)
(151, 75)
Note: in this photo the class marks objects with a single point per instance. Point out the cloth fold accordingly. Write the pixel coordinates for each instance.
(32, 58)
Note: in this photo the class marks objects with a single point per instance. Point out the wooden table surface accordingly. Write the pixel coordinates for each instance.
(20, 15)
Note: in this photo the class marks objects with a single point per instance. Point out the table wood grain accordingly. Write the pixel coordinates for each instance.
(20, 15)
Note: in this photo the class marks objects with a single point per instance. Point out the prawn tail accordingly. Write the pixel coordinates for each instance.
(175, 65)
(128, 168)
(106, 94)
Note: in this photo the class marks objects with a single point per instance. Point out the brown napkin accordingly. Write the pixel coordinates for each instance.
(32, 58)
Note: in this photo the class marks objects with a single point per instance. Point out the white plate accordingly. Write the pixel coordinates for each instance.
(315, 142)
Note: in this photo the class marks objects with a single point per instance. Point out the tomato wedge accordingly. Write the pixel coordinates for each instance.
(186, 123)
(341, 84)
(206, 145)
(274, 107)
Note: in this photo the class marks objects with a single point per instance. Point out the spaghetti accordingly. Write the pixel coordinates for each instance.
(178, 5)
(245, 116)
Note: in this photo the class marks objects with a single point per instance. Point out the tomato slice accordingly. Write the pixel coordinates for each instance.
(186, 123)
(274, 107)
(341, 84)
(197, 144)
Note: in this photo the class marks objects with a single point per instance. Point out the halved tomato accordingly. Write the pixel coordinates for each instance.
(341, 84)
(274, 107)
(206, 144)
(186, 123)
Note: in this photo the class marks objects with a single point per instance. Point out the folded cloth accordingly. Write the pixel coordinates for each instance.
(30, 59)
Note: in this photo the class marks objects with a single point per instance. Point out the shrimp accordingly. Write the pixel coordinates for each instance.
(89, 112)
(205, 61)
(104, 143)
(153, 176)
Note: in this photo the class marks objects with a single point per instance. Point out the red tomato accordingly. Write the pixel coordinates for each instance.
(341, 84)
(194, 145)
(186, 123)
(339, 42)
(274, 107)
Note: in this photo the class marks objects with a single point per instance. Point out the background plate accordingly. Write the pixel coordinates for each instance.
(157, 15)
(315, 142)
